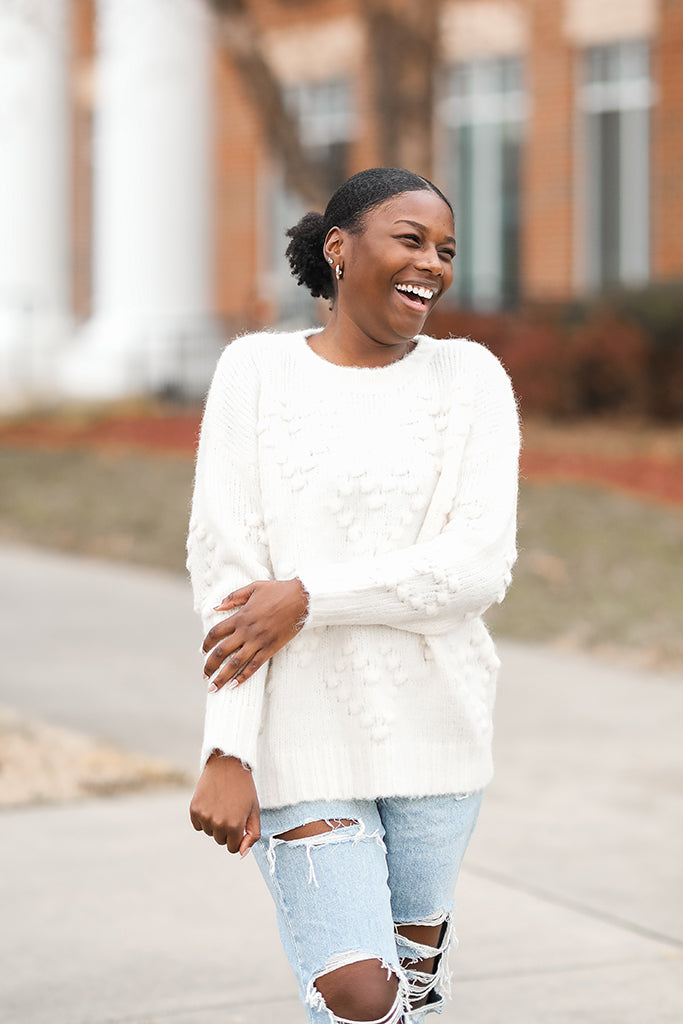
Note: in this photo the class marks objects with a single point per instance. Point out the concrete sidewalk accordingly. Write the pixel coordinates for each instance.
(569, 904)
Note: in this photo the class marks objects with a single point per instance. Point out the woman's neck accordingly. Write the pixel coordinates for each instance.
(343, 343)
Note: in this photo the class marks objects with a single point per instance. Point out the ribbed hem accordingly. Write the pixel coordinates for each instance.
(373, 772)
(233, 719)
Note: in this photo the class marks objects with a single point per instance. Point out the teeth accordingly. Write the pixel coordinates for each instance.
(410, 289)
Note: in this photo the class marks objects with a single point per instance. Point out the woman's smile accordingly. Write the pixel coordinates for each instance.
(418, 297)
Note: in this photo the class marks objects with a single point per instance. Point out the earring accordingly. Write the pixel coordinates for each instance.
(339, 271)
(330, 260)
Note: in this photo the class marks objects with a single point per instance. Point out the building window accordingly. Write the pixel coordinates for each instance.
(326, 119)
(484, 113)
(615, 95)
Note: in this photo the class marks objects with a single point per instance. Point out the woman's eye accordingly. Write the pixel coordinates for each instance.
(448, 253)
(412, 238)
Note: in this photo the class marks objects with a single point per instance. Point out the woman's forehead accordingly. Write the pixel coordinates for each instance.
(424, 207)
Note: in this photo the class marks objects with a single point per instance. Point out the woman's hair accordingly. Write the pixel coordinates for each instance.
(345, 210)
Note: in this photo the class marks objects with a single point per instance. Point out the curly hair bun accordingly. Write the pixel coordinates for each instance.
(305, 255)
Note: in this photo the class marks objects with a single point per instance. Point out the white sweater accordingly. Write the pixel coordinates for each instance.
(391, 493)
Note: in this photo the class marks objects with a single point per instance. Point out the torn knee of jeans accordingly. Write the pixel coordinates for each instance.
(397, 1012)
(333, 830)
(315, 827)
(427, 987)
(412, 950)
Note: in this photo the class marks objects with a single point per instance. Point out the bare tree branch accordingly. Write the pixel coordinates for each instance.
(402, 40)
(403, 47)
(238, 37)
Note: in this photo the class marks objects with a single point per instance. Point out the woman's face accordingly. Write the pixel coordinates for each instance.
(406, 244)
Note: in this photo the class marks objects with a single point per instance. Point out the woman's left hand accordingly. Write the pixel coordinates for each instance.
(269, 614)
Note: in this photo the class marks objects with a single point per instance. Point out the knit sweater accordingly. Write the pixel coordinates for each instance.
(391, 494)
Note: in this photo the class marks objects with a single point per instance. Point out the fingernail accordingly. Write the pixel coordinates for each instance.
(213, 688)
(243, 855)
(206, 675)
(233, 684)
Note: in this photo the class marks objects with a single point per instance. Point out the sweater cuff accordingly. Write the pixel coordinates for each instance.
(233, 720)
(339, 595)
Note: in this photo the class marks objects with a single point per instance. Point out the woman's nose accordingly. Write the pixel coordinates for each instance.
(428, 259)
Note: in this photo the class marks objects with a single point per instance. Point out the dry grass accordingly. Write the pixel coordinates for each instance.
(597, 570)
(42, 763)
(111, 505)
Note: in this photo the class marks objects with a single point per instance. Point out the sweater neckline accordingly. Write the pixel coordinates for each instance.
(365, 376)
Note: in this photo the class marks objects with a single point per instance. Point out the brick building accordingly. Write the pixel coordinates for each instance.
(557, 129)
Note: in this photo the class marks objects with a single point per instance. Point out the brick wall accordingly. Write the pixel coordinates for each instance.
(239, 166)
(82, 87)
(548, 158)
(241, 177)
(241, 163)
(667, 143)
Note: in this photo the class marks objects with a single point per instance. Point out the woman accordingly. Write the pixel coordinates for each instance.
(353, 517)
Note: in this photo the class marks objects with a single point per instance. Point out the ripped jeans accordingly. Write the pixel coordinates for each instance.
(340, 895)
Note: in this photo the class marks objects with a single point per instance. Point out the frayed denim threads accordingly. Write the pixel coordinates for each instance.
(342, 894)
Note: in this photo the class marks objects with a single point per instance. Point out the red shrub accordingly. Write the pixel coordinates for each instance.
(609, 366)
(532, 347)
(617, 354)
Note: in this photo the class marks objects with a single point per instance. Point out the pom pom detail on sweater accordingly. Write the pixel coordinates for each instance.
(391, 493)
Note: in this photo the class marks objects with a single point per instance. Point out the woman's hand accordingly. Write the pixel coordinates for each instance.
(225, 804)
(269, 614)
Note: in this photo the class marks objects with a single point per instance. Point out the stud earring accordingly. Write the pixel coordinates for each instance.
(330, 260)
(339, 271)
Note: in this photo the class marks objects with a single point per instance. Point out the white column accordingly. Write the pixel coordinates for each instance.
(151, 328)
(35, 210)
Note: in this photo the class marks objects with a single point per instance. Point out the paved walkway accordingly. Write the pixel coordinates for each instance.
(115, 912)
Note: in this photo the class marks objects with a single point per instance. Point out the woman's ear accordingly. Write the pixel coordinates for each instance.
(333, 245)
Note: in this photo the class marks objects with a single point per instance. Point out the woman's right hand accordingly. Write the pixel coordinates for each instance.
(225, 804)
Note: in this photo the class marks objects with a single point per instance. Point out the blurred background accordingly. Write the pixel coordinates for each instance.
(153, 154)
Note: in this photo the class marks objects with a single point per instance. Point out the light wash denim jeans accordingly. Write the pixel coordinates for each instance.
(340, 895)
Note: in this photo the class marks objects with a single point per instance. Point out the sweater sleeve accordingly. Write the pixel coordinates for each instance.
(429, 586)
(226, 546)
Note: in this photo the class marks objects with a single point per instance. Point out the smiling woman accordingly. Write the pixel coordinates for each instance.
(355, 499)
(389, 236)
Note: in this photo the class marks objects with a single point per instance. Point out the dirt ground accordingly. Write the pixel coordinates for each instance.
(42, 763)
